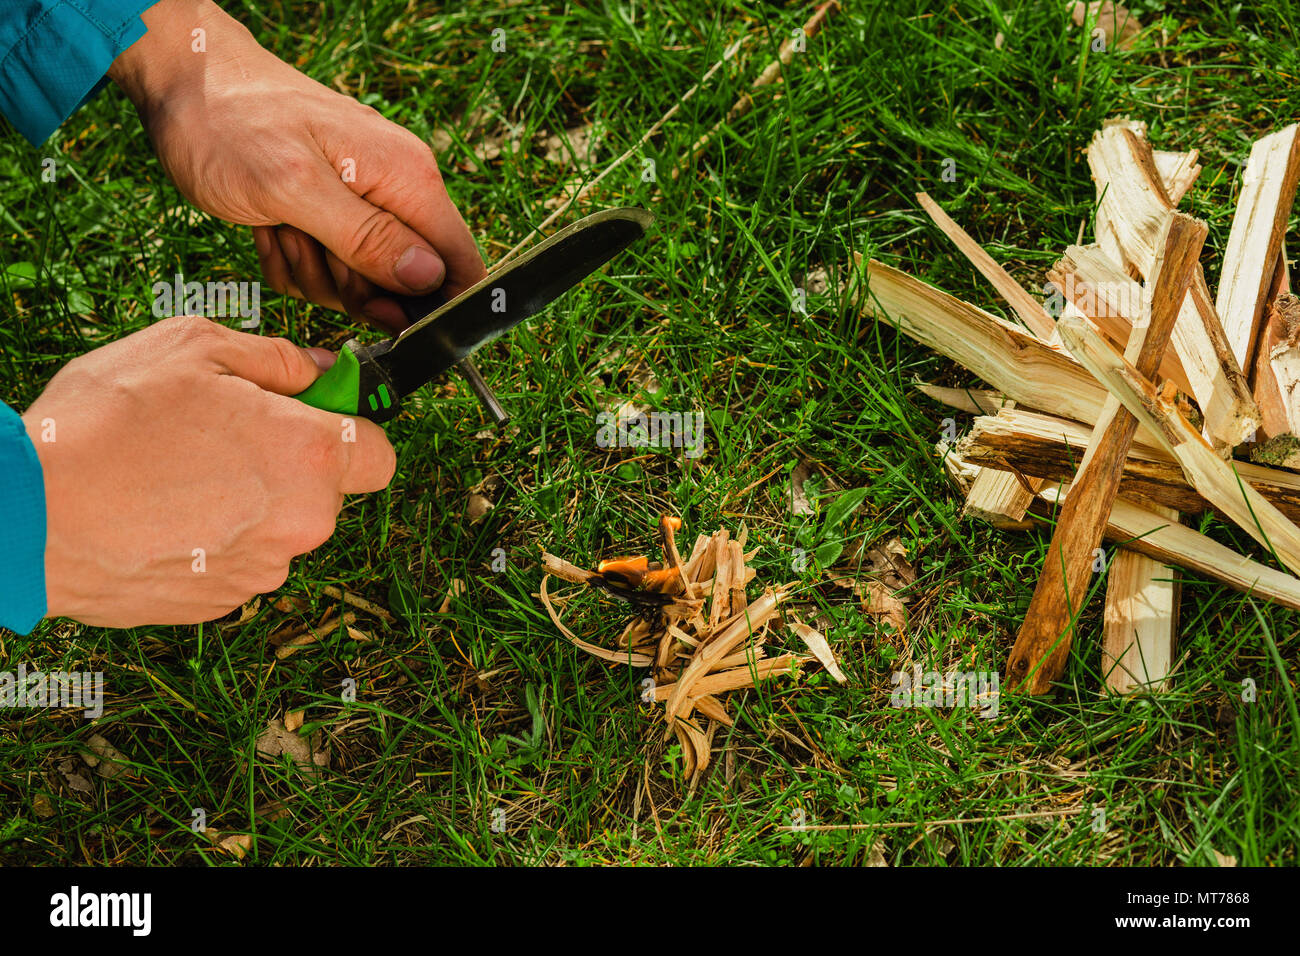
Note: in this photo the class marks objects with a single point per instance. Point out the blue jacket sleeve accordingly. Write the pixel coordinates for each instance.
(22, 529)
(54, 54)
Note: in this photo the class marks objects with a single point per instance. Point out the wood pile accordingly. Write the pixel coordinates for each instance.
(1141, 398)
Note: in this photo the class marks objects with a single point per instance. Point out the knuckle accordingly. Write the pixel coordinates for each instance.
(371, 234)
(287, 355)
(324, 453)
(189, 329)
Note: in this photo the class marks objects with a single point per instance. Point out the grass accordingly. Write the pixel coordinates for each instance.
(485, 708)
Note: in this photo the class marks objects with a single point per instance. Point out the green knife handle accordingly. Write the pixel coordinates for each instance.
(355, 385)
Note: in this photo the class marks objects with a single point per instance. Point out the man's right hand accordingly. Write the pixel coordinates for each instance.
(181, 478)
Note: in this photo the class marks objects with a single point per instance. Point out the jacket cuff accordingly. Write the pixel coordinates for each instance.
(22, 528)
(54, 54)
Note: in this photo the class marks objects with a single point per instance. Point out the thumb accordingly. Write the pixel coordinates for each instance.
(273, 364)
(370, 240)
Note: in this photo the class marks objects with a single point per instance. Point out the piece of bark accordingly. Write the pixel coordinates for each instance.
(1030, 311)
(1218, 481)
(1043, 644)
(1005, 356)
(1140, 624)
(1051, 447)
(1268, 185)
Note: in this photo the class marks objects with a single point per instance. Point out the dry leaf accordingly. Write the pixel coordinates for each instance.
(277, 739)
(878, 601)
(237, 845)
(886, 561)
(293, 720)
(799, 503)
(478, 507)
(107, 761)
(456, 590)
(1113, 20)
(42, 807)
(70, 770)
(249, 610)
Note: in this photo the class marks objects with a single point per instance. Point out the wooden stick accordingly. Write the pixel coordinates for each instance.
(1140, 624)
(1050, 447)
(1145, 530)
(1218, 481)
(1030, 311)
(1268, 186)
(1043, 644)
(1150, 533)
(1007, 357)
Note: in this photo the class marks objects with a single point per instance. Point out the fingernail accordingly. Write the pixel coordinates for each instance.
(289, 244)
(323, 358)
(419, 269)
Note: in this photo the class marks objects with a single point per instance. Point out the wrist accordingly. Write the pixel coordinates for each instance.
(181, 35)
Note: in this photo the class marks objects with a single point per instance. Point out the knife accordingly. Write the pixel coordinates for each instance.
(371, 380)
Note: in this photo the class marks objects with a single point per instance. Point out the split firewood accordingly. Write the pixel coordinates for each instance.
(1268, 186)
(1132, 202)
(1132, 199)
(1030, 311)
(1043, 644)
(1140, 622)
(1139, 528)
(1277, 384)
(996, 495)
(1148, 532)
(1218, 481)
(1178, 171)
(1020, 441)
(1005, 356)
(976, 401)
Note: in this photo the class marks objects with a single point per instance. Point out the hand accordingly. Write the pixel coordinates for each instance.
(250, 139)
(181, 480)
